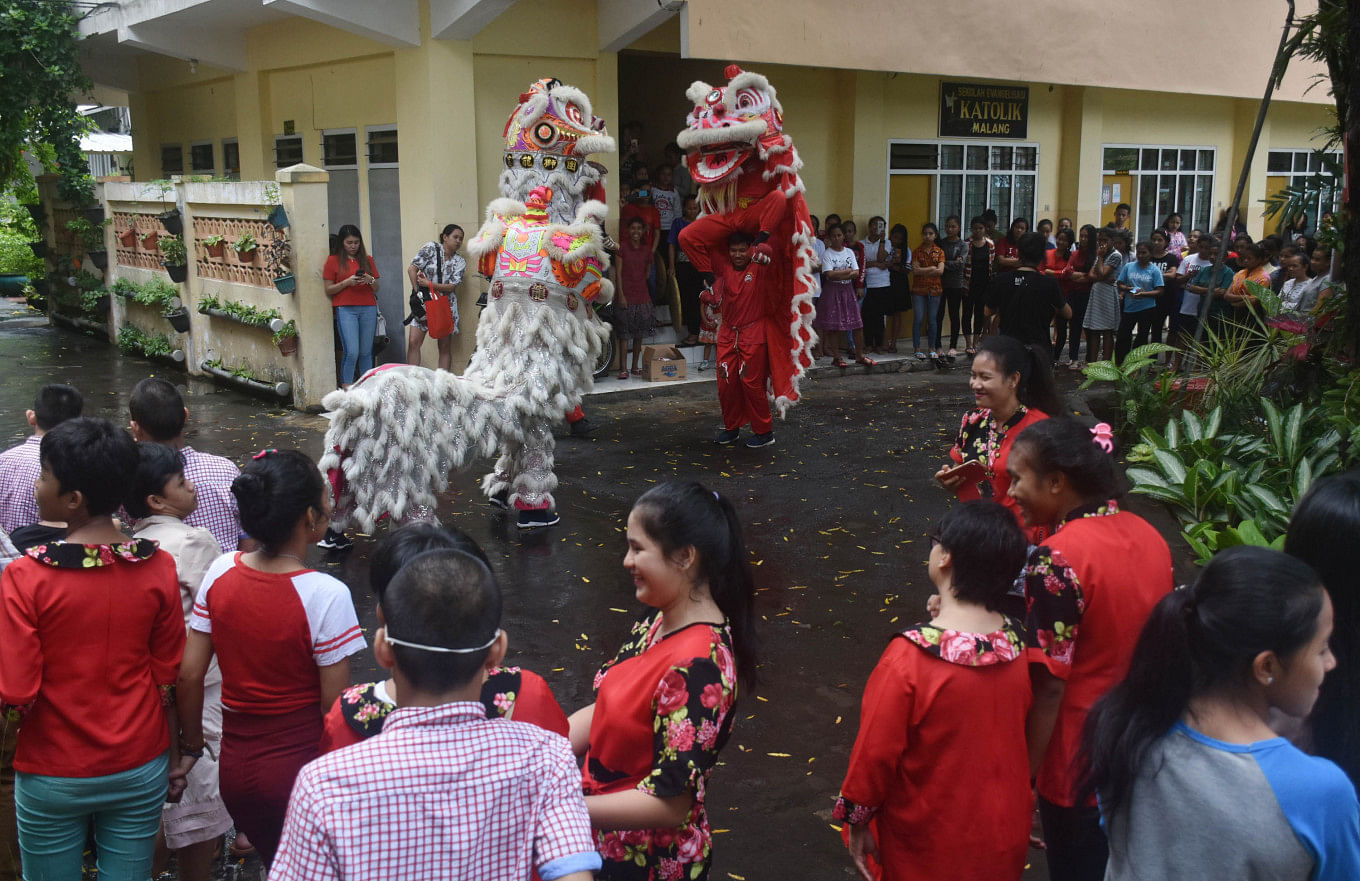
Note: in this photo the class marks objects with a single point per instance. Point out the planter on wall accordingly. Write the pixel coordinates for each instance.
(218, 250)
(278, 218)
(179, 273)
(287, 345)
(279, 389)
(247, 256)
(286, 284)
(100, 259)
(218, 313)
(179, 319)
(94, 215)
(149, 243)
(172, 221)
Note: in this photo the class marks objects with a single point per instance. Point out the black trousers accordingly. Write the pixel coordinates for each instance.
(1068, 330)
(1077, 847)
(974, 322)
(953, 299)
(1124, 338)
(878, 305)
(691, 283)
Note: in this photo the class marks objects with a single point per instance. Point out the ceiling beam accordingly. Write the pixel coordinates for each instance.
(213, 47)
(395, 23)
(463, 19)
(623, 21)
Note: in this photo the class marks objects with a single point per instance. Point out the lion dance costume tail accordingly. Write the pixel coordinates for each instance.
(398, 432)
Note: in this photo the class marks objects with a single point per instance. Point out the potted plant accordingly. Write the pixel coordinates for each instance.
(174, 257)
(93, 215)
(216, 246)
(278, 217)
(128, 237)
(148, 240)
(172, 221)
(35, 211)
(178, 318)
(124, 287)
(286, 338)
(245, 248)
(94, 302)
(91, 237)
(278, 259)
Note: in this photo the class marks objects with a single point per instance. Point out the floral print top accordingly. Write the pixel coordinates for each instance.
(663, 712)
(74, 555)
(981, 439)
(1053, 593)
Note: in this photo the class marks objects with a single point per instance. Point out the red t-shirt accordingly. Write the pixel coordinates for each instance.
(508, 693)
(1006, 248)
(271, 631)
(88, 634)
(1090, 588)
(940, 765)
(745, 293)
(634, 264)
(357, 295)
(650, 216)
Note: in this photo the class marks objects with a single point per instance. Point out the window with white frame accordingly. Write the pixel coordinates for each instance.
(1300, 167)
(1166, 180)
(287, 150)
(340, 148)
(382, 146)
(201, 159)
(972, 176)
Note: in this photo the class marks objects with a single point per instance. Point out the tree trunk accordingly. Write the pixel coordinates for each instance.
(1350, 124)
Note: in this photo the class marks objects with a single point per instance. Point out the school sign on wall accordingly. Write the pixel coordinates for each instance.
(982, 110)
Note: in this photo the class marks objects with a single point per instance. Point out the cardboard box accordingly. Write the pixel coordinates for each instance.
(663, 364)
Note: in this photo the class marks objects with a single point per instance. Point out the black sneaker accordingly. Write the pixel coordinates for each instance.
(334, 540)
(760, 440)
(581, 428)
(729, 436)
(500, 500)
(538, 518)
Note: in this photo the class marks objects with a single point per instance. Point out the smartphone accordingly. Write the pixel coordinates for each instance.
(972, 473)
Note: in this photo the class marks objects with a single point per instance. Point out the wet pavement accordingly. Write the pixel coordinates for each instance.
(837, 516)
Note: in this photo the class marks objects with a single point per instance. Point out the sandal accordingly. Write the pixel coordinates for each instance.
(970, 351)
(623, 374)
(637, 371)
(840, 362)
(866, 361)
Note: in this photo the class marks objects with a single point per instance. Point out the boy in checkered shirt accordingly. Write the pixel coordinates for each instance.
(443, 791)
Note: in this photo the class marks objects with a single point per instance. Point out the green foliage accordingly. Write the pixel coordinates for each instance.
(172, 250)
(134, 341)
(1341, 404)
(240, 371)
(1218, 481)
(214, 240)
(157, 293)
(16, 231)
(245, 242)
(125, 287)
(1143, 399)
(42, 74)
(289, 329)
(1239, 357)
(278, 257)
(91, 235)
(88, 282)
(240, 311)
(90, 301)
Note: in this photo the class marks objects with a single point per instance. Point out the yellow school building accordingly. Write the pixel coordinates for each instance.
(910, 112)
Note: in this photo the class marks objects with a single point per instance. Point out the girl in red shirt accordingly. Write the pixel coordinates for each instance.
(1089, 588)
(351, 280)
(664, 706)
(634, 314)
(91, 631)
(283, 635)
(509, 692)
(938, 784)
(1014, 389)
(1008, 247)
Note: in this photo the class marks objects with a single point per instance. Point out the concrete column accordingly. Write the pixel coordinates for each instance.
(1090, 157)
(254, 136)
(146, 156)
(868, 151)
(302, 190)
(1250, 209)
(435, 109)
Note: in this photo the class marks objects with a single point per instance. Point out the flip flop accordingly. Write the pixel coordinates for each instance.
(623, 374)
(840, 362)
(866, 361)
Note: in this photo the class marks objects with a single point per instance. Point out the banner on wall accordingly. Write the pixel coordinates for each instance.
(982, 110)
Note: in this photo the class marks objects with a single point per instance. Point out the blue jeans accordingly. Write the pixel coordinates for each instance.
(357, 325)
(54, 814)
(920, 321)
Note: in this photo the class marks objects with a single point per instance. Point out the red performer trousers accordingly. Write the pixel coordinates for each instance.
(743, 372)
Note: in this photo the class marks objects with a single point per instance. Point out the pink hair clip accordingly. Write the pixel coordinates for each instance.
(1104, 436)
(262, 453)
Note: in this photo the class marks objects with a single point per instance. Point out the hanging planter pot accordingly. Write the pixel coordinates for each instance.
(286, 284)
(179, 273)
(148, 241)
(39, 249)
(247, 256)
(172, 221)
(94, 215)
(99, 258)
(280, 389)
(36, 212)
(278, 217)
(218, 250)
(287, 345)
(128, 238)
(179, 319)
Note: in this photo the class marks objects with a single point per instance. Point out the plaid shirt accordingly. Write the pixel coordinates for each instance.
(216, 512)
(443, 792)
(19, 467)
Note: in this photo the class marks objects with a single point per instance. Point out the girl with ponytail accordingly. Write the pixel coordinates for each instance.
(283, 635)
(1013, 387)
(1193, 782)
(664, 705)
(1089, 587)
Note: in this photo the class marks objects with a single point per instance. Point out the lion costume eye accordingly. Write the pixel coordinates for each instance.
(714, 97)
(575, 115)
(545, 133)
(748, 99)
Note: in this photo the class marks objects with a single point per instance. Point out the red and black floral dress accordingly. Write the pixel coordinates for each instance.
(509, 692)
(983, 441)
(663, 711)
(940, 769)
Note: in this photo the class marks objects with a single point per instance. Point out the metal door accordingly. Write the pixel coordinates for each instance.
(384, 236)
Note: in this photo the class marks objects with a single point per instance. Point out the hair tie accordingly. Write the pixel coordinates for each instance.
(1104, 436)
(716, 497)
(262, 453)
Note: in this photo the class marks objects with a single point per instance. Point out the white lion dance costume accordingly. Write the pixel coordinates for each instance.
(399, 430)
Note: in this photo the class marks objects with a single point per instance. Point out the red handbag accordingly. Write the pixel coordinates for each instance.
(438, 316)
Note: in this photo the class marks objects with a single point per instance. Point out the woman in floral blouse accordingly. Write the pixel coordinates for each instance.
(1092, 584)
(1013, 387)
(938, 785)
(436, 269)
(664, 705)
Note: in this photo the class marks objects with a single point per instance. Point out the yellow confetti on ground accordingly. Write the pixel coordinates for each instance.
(586, 580)
(778, 755)
(612, 609)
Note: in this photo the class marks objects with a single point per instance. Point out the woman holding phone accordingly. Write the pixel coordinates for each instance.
(351, 280)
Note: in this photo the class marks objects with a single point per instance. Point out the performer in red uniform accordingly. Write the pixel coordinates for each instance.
(744, 280)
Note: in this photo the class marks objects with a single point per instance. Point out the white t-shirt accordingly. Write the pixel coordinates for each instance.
(1187, 271)
(818, 250)
(667, 204)
(873, 277)
(842, 259)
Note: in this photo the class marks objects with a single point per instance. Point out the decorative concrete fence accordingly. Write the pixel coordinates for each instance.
(221, 277)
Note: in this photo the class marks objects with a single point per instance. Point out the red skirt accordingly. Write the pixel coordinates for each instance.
(261, 757)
